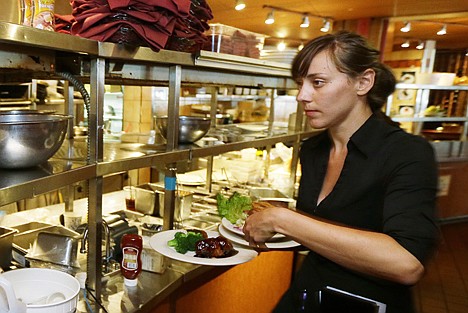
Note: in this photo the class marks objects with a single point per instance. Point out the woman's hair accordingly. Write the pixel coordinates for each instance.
(352, 55)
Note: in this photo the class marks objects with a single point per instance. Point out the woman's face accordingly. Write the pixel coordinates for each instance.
(327, 95)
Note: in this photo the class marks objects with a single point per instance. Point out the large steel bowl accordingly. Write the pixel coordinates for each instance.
(191, 128)
(30, 138)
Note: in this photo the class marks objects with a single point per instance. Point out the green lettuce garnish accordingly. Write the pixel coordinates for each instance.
(233, 208)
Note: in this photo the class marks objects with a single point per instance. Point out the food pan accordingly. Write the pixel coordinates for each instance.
(6, 243)
(54, 248)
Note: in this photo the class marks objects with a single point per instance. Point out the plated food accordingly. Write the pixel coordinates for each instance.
(214, 246)
(236, 208)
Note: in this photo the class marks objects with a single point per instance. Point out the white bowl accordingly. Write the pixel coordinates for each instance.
(31, 284)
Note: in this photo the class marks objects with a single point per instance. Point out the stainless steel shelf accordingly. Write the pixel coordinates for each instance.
(21, 184)
(192, 151)
(431, 87)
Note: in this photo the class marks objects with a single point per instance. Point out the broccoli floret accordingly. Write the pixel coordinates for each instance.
(184, 242)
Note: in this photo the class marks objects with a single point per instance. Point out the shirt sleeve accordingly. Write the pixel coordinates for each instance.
(409, 214)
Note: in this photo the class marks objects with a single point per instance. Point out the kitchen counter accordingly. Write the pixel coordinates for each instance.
(153, 289)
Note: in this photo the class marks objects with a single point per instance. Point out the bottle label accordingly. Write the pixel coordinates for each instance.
(130, 258)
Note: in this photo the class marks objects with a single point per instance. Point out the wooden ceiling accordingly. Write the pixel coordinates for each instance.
(426, 16)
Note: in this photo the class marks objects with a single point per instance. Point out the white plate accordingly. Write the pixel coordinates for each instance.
(190, 179)
(252, 128)
(238, 229)
(159, 243)
(282, 243)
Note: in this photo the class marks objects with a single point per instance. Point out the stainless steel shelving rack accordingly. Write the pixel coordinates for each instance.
(28, 53)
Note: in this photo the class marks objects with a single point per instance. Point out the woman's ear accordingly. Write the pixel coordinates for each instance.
(365, 82)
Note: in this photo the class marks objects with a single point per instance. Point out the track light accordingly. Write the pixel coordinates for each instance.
(270, 18)
(305, 21)
(406, 28)
(240, 5)
(301, 46)
(420, 45)
(326, 26)
(443, 30)
(281, 46)
(406, 44)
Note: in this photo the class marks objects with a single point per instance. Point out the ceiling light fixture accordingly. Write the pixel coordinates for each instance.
(281, 46)
(300, 47)
(240, 5)
(327, 21)
(420, 45)
(405, 44)
(443, 30)
(406, 28)
(270, 18)
(326, 26)
(305, 21)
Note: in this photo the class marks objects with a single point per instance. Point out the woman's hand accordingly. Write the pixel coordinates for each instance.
(260, 225)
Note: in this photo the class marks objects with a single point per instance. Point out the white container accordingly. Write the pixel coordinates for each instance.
(151, 260)
(42, 290)
(442, 79)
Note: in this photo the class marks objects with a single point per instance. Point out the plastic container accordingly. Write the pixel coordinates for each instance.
(232, 40)
(130, 267)
(442, 79)
(41, 290)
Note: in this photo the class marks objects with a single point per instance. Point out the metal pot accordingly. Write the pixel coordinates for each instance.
(191, 128)
(30, 138)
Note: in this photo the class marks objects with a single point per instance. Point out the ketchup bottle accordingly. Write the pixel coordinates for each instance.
(130, 267)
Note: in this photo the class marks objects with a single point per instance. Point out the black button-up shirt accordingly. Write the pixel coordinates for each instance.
(388, 184)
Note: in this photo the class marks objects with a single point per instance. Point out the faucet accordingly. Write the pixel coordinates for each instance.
(107, 235)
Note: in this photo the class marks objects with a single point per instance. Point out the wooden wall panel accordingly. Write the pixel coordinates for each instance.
(255, 286)
(455, 202)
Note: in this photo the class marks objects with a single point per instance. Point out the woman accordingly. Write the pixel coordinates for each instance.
(366, 202)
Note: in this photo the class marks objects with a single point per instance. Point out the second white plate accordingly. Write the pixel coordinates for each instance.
(282, 243)
(238, 229)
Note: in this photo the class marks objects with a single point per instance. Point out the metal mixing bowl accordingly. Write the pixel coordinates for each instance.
(191, 128)
(30, 138)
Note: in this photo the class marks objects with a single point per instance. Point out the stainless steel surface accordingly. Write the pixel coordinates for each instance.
(22, 228)
(54, 248)
(146, 200)
(28, 36)
(213, 59)
(191, 128)
(95, 220)
(23, 241)
(182, 205)
(6, 245)
(11, 11)
(264, 192)
(29, 139)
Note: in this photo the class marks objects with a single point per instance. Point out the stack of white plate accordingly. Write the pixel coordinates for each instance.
(285, 56)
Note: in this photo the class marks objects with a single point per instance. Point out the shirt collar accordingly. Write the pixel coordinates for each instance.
(370, 136)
